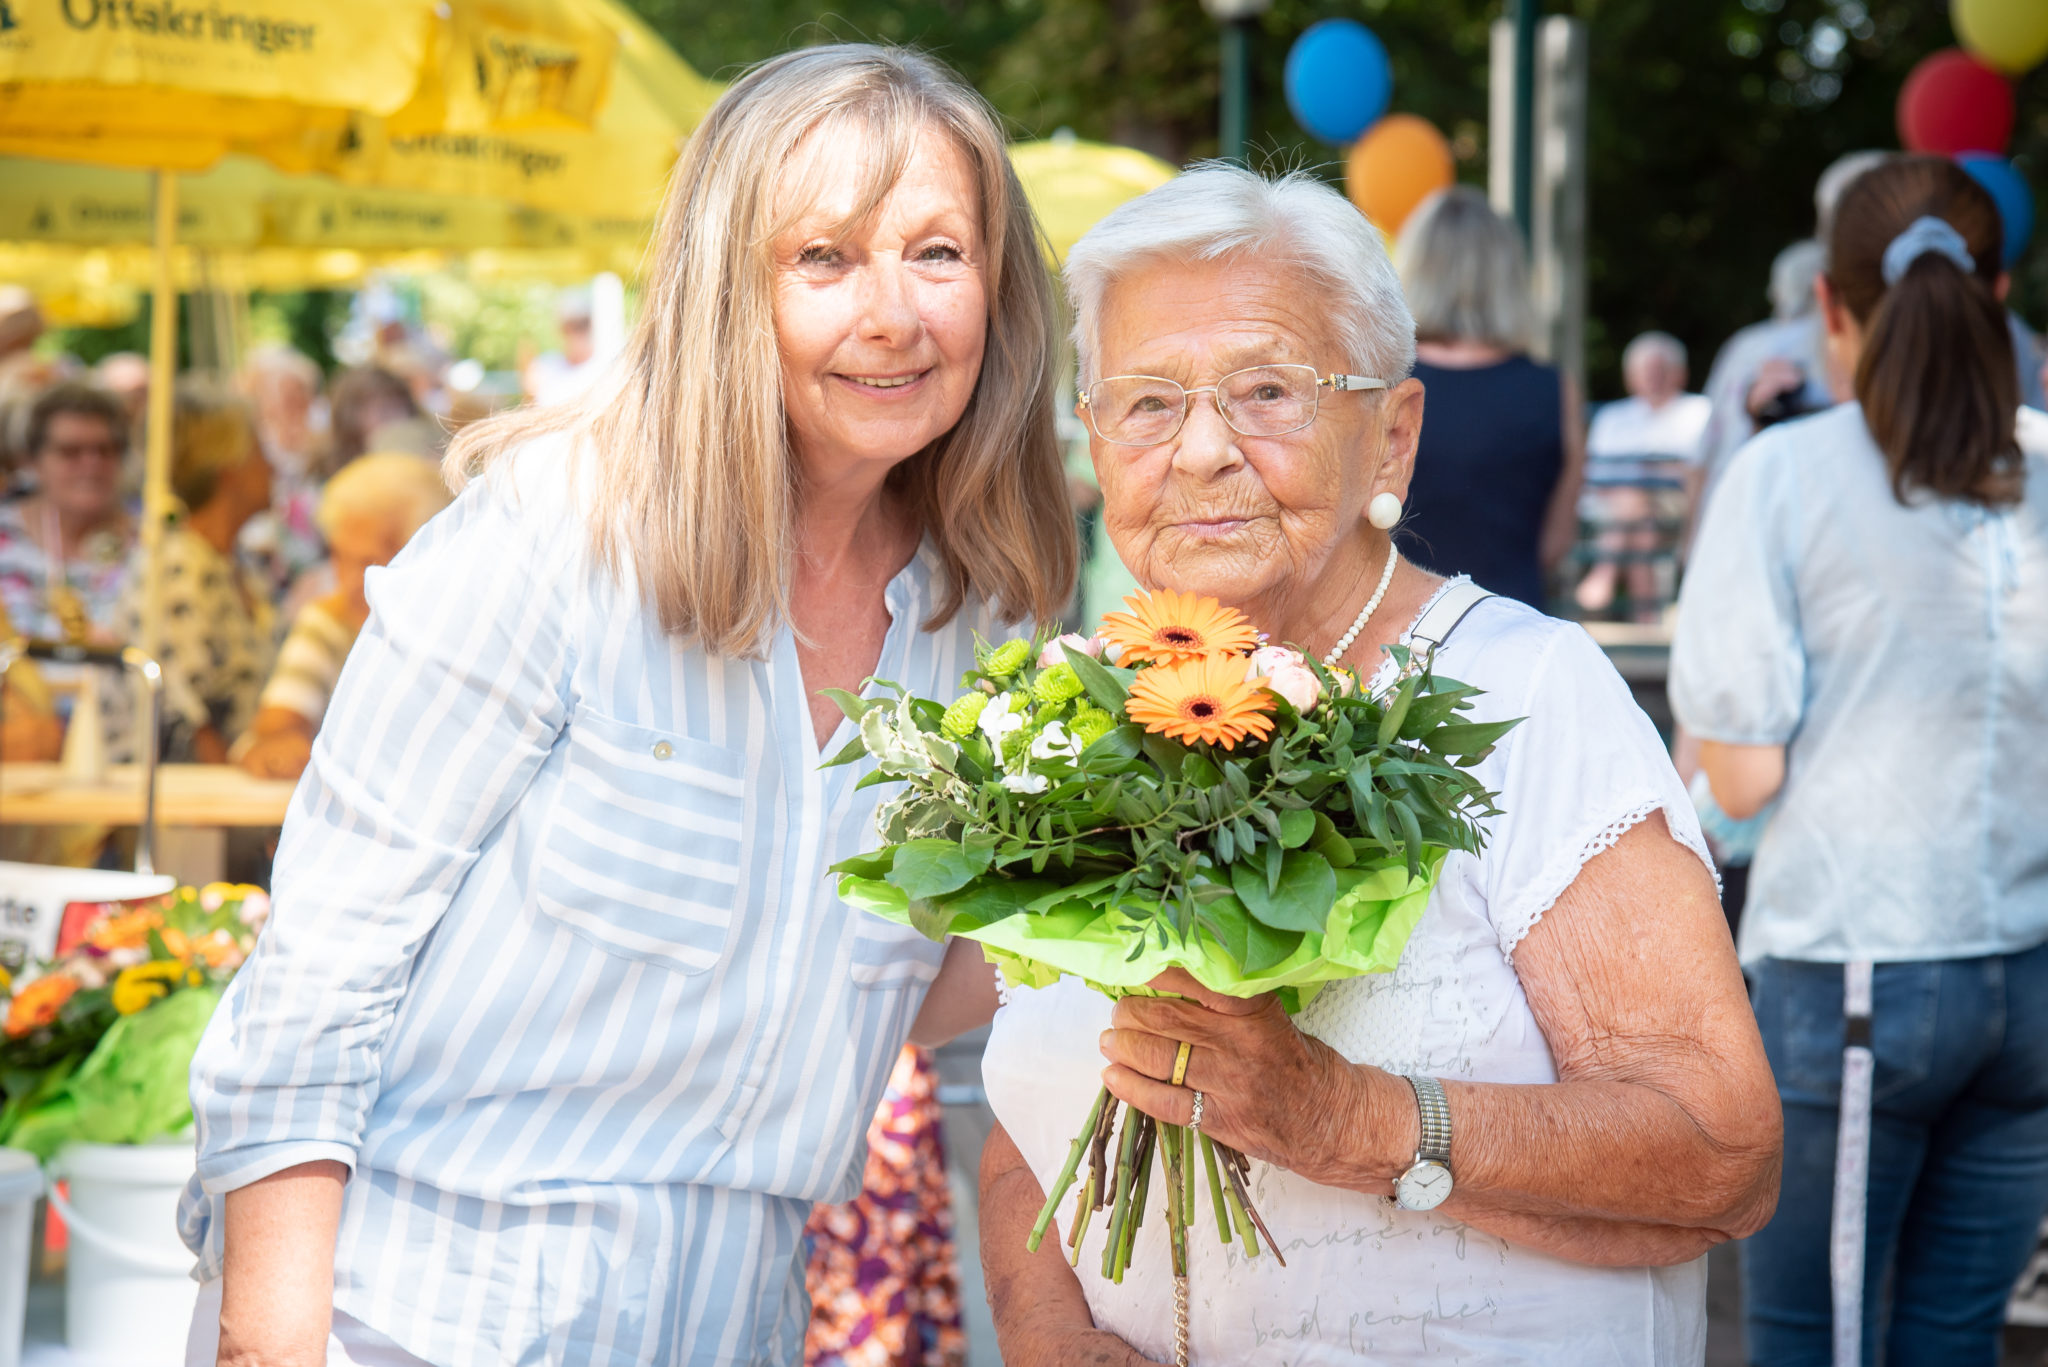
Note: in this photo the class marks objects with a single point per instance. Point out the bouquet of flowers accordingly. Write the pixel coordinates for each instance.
(97, 1044)
(1173, 792)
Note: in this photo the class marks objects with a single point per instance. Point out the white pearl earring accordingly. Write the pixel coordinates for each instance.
(1384, 511)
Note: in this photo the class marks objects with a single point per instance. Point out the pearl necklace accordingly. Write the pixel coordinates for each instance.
(1365, 613)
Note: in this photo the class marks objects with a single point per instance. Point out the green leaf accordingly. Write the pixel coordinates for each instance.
(868, 866)
(1266, 947)
(1467, 737)
(1397, 710)
(1411, 836)
(1168, 754)
(1297, 827)
(932, 868)
(1109, 691)
(852, 704)
(929, 919)
(1199, 771)
(1302, 899)
(848, 753)
(1227, 920)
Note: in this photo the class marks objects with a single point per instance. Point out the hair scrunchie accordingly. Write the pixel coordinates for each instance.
(1923, 235)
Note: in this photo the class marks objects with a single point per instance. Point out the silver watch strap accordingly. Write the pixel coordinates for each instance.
(1435, 1110)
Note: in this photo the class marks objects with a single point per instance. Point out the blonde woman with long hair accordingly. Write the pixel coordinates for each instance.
(558, 1032)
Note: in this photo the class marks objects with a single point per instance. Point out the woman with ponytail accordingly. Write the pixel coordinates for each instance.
(1863, 642)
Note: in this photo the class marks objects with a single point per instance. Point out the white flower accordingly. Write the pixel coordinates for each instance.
(1091, 646)
(998, 721)
(1054, 743)
(1026, 782)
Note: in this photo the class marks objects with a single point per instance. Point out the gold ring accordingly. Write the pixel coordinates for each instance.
(1180, 1063)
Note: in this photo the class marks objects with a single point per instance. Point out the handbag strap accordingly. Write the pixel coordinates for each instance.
(1459, 597)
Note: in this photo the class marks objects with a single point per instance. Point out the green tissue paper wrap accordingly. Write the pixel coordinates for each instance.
(1071, 932)
(132, 1088)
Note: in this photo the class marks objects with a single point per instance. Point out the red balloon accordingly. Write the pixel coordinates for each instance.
(1952, 103)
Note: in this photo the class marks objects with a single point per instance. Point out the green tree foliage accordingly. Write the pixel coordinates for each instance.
(1709, 119)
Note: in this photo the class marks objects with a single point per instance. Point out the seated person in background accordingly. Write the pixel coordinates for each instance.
(1638, 447)
(215, 643)
(64, 548)
(367, 513)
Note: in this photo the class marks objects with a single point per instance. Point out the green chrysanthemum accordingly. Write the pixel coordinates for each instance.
(1007, 658)
(958, 723)
(1089, 725)
(1057, 684)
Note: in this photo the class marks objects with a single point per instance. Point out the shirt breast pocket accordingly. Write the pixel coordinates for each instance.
(888, 955)
(642, 855)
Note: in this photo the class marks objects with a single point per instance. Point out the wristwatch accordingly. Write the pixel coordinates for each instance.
(1427, 1183)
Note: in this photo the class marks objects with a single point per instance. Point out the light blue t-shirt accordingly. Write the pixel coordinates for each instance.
(1900, 654)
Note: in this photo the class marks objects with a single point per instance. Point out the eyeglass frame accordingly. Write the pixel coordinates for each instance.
(1337, 382)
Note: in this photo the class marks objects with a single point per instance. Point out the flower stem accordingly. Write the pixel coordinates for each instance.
(1215, 1189)
(1066, 1177)
(1173, 1153)
(1080, 1222)
(1120, 1208)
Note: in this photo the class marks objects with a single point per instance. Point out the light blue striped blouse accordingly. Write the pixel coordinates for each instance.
(555, 965)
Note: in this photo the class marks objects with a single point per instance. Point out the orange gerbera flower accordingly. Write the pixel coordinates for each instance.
(36, 1005)
(1205, 699)
(1163, 627)
(125, 930)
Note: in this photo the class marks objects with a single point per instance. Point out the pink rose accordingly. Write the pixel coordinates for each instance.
(1286, 674)
(1091, 646)
(1267, 659)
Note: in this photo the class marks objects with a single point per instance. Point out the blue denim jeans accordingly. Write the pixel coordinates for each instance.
(1958, 1157)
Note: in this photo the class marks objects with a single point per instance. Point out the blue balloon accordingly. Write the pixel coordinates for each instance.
(2010, 191)
(1338, 80)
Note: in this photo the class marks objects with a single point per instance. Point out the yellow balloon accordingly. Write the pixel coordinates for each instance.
(2011, 35)
(1401, 161)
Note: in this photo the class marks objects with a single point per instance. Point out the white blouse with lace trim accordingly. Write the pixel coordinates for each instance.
(1365, 1280)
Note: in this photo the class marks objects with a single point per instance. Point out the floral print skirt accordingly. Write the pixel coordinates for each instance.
(884, 1288)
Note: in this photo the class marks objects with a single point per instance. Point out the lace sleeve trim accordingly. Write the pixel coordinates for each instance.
(1562, 872)
(1002, 988)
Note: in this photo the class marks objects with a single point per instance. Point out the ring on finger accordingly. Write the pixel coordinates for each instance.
(1180, 1062)
(1195, 1120)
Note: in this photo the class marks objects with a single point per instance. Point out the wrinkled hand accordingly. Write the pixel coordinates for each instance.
(1268, 1090)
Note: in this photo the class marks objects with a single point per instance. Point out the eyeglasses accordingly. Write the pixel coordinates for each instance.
(1258, 401)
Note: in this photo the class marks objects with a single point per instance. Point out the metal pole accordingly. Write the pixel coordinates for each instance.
(1525, 113)
(1236, 93)
(163, 367)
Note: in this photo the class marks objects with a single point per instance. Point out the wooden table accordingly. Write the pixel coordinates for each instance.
(186, 795)
(195, 806)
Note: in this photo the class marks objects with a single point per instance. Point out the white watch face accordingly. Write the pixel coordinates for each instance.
(1424, 1186)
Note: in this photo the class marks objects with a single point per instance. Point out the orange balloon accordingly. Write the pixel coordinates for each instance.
(1401, 161)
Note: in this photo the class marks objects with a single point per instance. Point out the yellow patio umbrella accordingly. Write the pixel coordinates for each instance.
(1072, 184)
(617, 167)
(472, 97)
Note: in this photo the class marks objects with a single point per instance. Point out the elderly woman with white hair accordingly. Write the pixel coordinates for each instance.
(1518, 1144)
(367, 513)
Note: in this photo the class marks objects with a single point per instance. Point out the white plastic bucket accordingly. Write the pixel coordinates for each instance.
(33, 898)
(129, 1292)
(21, 1182)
